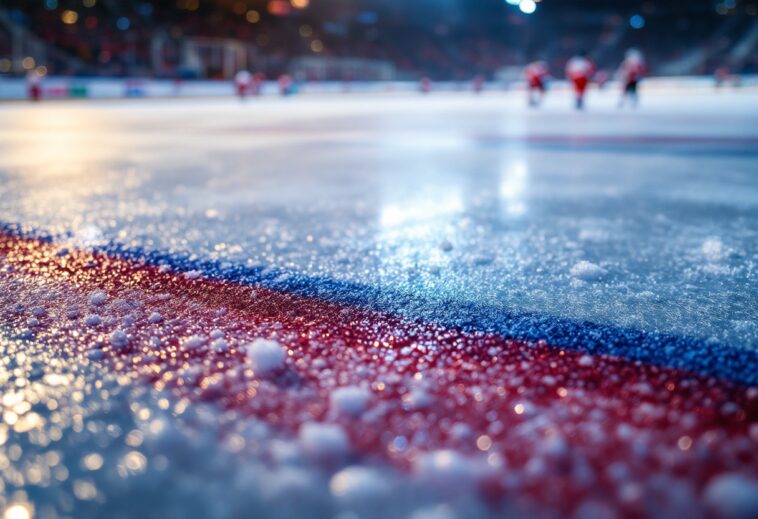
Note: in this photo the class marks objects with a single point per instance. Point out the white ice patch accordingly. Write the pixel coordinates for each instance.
(192, 274)
(324, 442)
(588, 271)
(350, 400)
(265, 355)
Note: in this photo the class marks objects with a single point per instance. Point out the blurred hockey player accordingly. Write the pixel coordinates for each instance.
(242, 82)
(256, 86)
(425, 85)
(34, 85)
(285, 84)
(536, 74)
(630, 73)
(579, 70)
(721, 76)
(477, 84)
(601, 78)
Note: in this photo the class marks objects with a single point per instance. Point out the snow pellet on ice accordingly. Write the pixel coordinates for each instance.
(445, 469)
(713, 249)
(97, 298)
(118, 339)
(92, 320)
(587, 271)
(265, 355)
(220, 345)
(193, 342)
(350, 400)
(359, 486)
(324, 441)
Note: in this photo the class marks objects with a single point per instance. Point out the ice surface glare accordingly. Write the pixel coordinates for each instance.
(427, 206)
(513, 186)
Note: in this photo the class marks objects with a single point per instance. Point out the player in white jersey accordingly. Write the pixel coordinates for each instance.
(630, 73)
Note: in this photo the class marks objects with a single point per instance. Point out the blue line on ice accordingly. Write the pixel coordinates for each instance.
(687, 353)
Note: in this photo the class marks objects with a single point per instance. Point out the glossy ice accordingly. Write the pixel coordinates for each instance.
(452, 197)
(470, 211)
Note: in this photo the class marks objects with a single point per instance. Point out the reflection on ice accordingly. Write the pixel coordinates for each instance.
(513, 186)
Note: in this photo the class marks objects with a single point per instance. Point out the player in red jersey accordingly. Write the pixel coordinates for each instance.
(579, 71)
(425, 85)
(536, 75)
(630, 73)
(34, 85)
(242, 82)
(285, 84)
(256, 86)
(721, 75)
(477, 84)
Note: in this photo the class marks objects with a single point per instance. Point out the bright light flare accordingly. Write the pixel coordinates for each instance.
(527, 6)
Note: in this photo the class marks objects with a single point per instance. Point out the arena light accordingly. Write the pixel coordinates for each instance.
(527, 6)
(279, 8)
(637, 21)
(69, 17)
(512, 2)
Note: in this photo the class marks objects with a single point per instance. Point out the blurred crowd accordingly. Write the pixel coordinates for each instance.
(118, 38)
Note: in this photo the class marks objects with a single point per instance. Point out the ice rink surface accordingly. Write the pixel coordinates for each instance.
(643, 219)
(631, 233)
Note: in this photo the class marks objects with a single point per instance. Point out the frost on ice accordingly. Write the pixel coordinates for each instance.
(218, 440)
